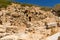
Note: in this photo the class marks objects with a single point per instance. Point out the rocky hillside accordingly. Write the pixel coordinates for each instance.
(23, 22)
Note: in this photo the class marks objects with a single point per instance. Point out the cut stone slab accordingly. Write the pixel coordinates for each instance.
(54, 37)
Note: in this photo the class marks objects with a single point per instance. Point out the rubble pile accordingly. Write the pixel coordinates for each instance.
(19, 22)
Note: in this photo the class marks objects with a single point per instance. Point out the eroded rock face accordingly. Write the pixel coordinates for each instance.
(27, 23)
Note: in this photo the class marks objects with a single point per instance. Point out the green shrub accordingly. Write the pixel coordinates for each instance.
(45, 8)
(57, 9)
(4, 3)
(22, 4)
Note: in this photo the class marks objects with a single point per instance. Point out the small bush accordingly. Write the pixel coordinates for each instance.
(57, 9)
(45, 8)
(4, 3)
(22, 4)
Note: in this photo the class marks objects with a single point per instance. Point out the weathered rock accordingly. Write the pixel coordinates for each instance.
(19, 22)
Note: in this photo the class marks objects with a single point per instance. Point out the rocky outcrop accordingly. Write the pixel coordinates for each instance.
(19, 22)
